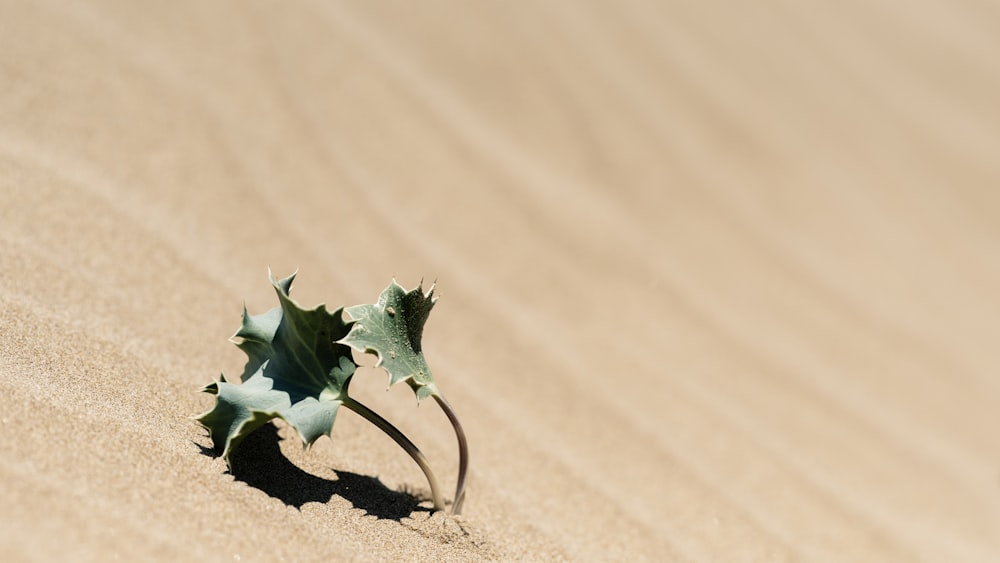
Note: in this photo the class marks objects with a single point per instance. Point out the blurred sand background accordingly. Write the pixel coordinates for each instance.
(720, 281)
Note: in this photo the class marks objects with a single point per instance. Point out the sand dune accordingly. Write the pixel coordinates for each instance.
(719, 281)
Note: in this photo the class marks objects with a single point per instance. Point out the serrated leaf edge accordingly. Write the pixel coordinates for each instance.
(420, 389)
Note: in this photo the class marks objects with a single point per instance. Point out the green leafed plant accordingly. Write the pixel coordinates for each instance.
(299, 368)
(392, 329)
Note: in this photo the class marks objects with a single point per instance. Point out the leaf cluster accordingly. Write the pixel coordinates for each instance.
(299, 369)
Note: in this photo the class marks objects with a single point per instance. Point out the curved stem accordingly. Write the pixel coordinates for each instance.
(404, 442)
(463, 454)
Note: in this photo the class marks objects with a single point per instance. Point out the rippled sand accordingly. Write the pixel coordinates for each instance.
(719, 281)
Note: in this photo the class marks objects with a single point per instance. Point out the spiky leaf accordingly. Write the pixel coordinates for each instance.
(295, 371)
(392, 329)
(254, 338)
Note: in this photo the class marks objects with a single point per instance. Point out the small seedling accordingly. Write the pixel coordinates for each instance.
(392, 329)
(299, 368)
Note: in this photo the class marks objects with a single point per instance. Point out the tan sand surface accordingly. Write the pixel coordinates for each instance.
(720, 280)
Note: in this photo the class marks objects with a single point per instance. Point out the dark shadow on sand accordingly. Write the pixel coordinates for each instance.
(258, 462)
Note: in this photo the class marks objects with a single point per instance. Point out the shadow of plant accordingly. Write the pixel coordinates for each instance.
(258, 462)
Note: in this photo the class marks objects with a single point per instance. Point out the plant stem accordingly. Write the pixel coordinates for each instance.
(463, 453)
(404, 442)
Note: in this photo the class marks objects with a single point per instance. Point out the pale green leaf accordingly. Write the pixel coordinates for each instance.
(392, 330)
(295, 371)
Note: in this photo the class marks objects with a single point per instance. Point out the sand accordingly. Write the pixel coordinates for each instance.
(719, 282)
